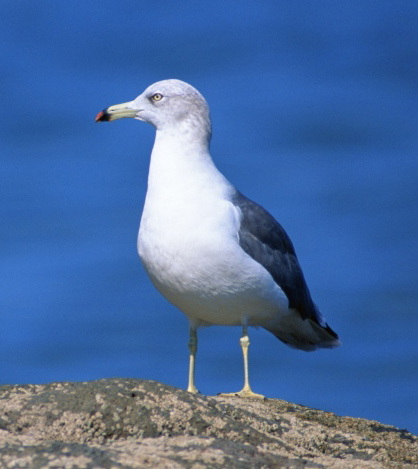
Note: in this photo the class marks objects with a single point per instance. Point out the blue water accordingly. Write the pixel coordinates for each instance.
(314, 109)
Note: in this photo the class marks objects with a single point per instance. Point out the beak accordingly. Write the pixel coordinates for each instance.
(116, 112)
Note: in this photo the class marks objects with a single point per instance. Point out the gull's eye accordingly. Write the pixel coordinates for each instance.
(157, 97)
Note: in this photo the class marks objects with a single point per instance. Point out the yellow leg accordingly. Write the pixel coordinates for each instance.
(192, 347)
(246, 390)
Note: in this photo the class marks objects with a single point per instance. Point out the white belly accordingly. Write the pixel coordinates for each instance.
(200, 267)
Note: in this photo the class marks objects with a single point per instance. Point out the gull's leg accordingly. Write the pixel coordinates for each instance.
(246, 390)
(192, 347)
(245, 343)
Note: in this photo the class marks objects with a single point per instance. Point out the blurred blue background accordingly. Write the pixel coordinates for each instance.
(314, 109)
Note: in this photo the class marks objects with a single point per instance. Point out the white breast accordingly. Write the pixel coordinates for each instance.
(188, 243)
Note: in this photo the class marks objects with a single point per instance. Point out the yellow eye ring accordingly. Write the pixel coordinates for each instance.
(157, 97)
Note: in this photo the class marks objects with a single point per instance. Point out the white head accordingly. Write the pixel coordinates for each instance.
(170, 106)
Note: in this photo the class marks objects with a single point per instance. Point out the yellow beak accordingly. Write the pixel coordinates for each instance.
(116, 112)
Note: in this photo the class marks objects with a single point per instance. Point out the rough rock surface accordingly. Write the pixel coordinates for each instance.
(127, 423)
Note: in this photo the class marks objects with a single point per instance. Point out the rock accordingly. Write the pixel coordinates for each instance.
(128, 423)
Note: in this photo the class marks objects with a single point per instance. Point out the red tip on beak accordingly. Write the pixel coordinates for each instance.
(99, 116)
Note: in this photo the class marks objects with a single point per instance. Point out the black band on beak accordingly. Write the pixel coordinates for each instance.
(103, 116)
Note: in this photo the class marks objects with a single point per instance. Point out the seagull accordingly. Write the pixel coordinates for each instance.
(216, 255)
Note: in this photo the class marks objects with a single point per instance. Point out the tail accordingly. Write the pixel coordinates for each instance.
(304, 334)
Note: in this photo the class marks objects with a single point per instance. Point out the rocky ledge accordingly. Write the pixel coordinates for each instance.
(128, 423)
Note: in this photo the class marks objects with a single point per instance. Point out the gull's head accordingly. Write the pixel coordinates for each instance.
(169, 105)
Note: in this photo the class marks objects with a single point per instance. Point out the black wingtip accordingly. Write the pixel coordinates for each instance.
(331, 332)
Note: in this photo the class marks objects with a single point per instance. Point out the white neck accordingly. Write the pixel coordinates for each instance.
(180, 163)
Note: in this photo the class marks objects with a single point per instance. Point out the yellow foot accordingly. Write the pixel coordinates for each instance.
(242, 393)
(192, 390)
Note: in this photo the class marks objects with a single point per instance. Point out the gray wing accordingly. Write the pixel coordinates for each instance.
(266, 241)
